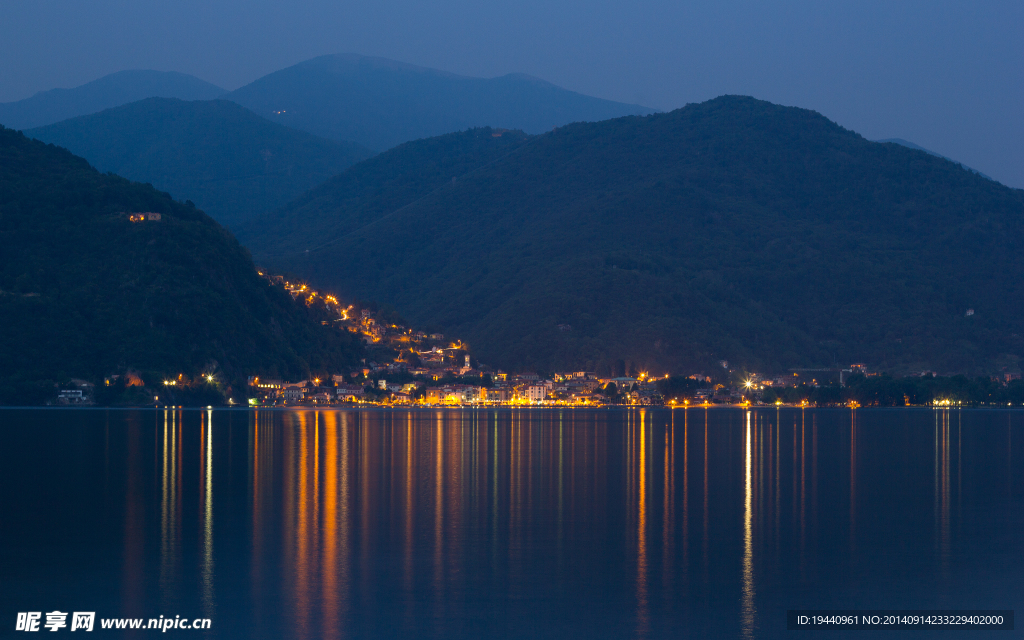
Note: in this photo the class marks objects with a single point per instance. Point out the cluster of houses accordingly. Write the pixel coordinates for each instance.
(443, 375)
(427, 370)
(434, 388)
(144, 216)
(430, 371)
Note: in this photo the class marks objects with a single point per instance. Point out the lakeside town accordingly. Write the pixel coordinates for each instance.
(425, 369)
(406, 367)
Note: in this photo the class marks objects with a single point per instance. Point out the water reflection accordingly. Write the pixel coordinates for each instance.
(853, 480)
(206, 500)
(748, 609)
(133, 569)
(942, 487)
(170, 507)
(523, 523)
(420, 492)
(642, 608)
(668, 505)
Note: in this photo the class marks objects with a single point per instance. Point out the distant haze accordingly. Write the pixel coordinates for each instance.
(114, 90)
(380, 103)
(945, 75)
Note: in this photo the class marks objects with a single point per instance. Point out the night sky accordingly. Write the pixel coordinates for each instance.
(945, 75)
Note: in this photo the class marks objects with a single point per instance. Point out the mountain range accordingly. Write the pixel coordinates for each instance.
(732, 230)
(113, 90)
(232, 163)
(86, 292)
(375, 102)
(235, 163)
(380, 103)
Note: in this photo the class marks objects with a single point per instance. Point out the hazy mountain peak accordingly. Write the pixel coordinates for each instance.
(348, 62)
(380, 103)
(112, 90)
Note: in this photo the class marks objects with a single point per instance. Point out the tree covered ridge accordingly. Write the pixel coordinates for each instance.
(732, 229)
(87, 292)
(377, 188)
(230, 161)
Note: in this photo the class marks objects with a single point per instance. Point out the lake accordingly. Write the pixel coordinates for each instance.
(509, 523)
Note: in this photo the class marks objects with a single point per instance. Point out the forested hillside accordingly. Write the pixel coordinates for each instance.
(85, 292)
(375, 188)
(733, 230)
(230, 162)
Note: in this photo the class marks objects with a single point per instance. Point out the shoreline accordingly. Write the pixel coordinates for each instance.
(503, 407)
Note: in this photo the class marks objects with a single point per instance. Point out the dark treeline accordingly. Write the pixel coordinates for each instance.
(886, 391)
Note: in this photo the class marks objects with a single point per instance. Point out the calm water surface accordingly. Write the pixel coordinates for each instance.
(509, 523)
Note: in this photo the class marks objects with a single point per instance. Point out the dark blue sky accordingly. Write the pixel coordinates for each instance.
(946, 75)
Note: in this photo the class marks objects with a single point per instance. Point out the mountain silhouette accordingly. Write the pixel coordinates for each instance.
(734, 229)
(380, 103)
(115, 89)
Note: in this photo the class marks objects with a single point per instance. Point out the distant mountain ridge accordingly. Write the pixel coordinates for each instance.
(115, 89)
(380, 103)
(734, 229)
(375, 102)
(231, 162)
(293, 129)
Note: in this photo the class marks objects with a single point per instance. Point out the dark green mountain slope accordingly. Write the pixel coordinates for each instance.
(730, 230)
(377, 188)
(109, 91)
(380, 103)
(229, 161)
(911, 145)
(84, 292)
